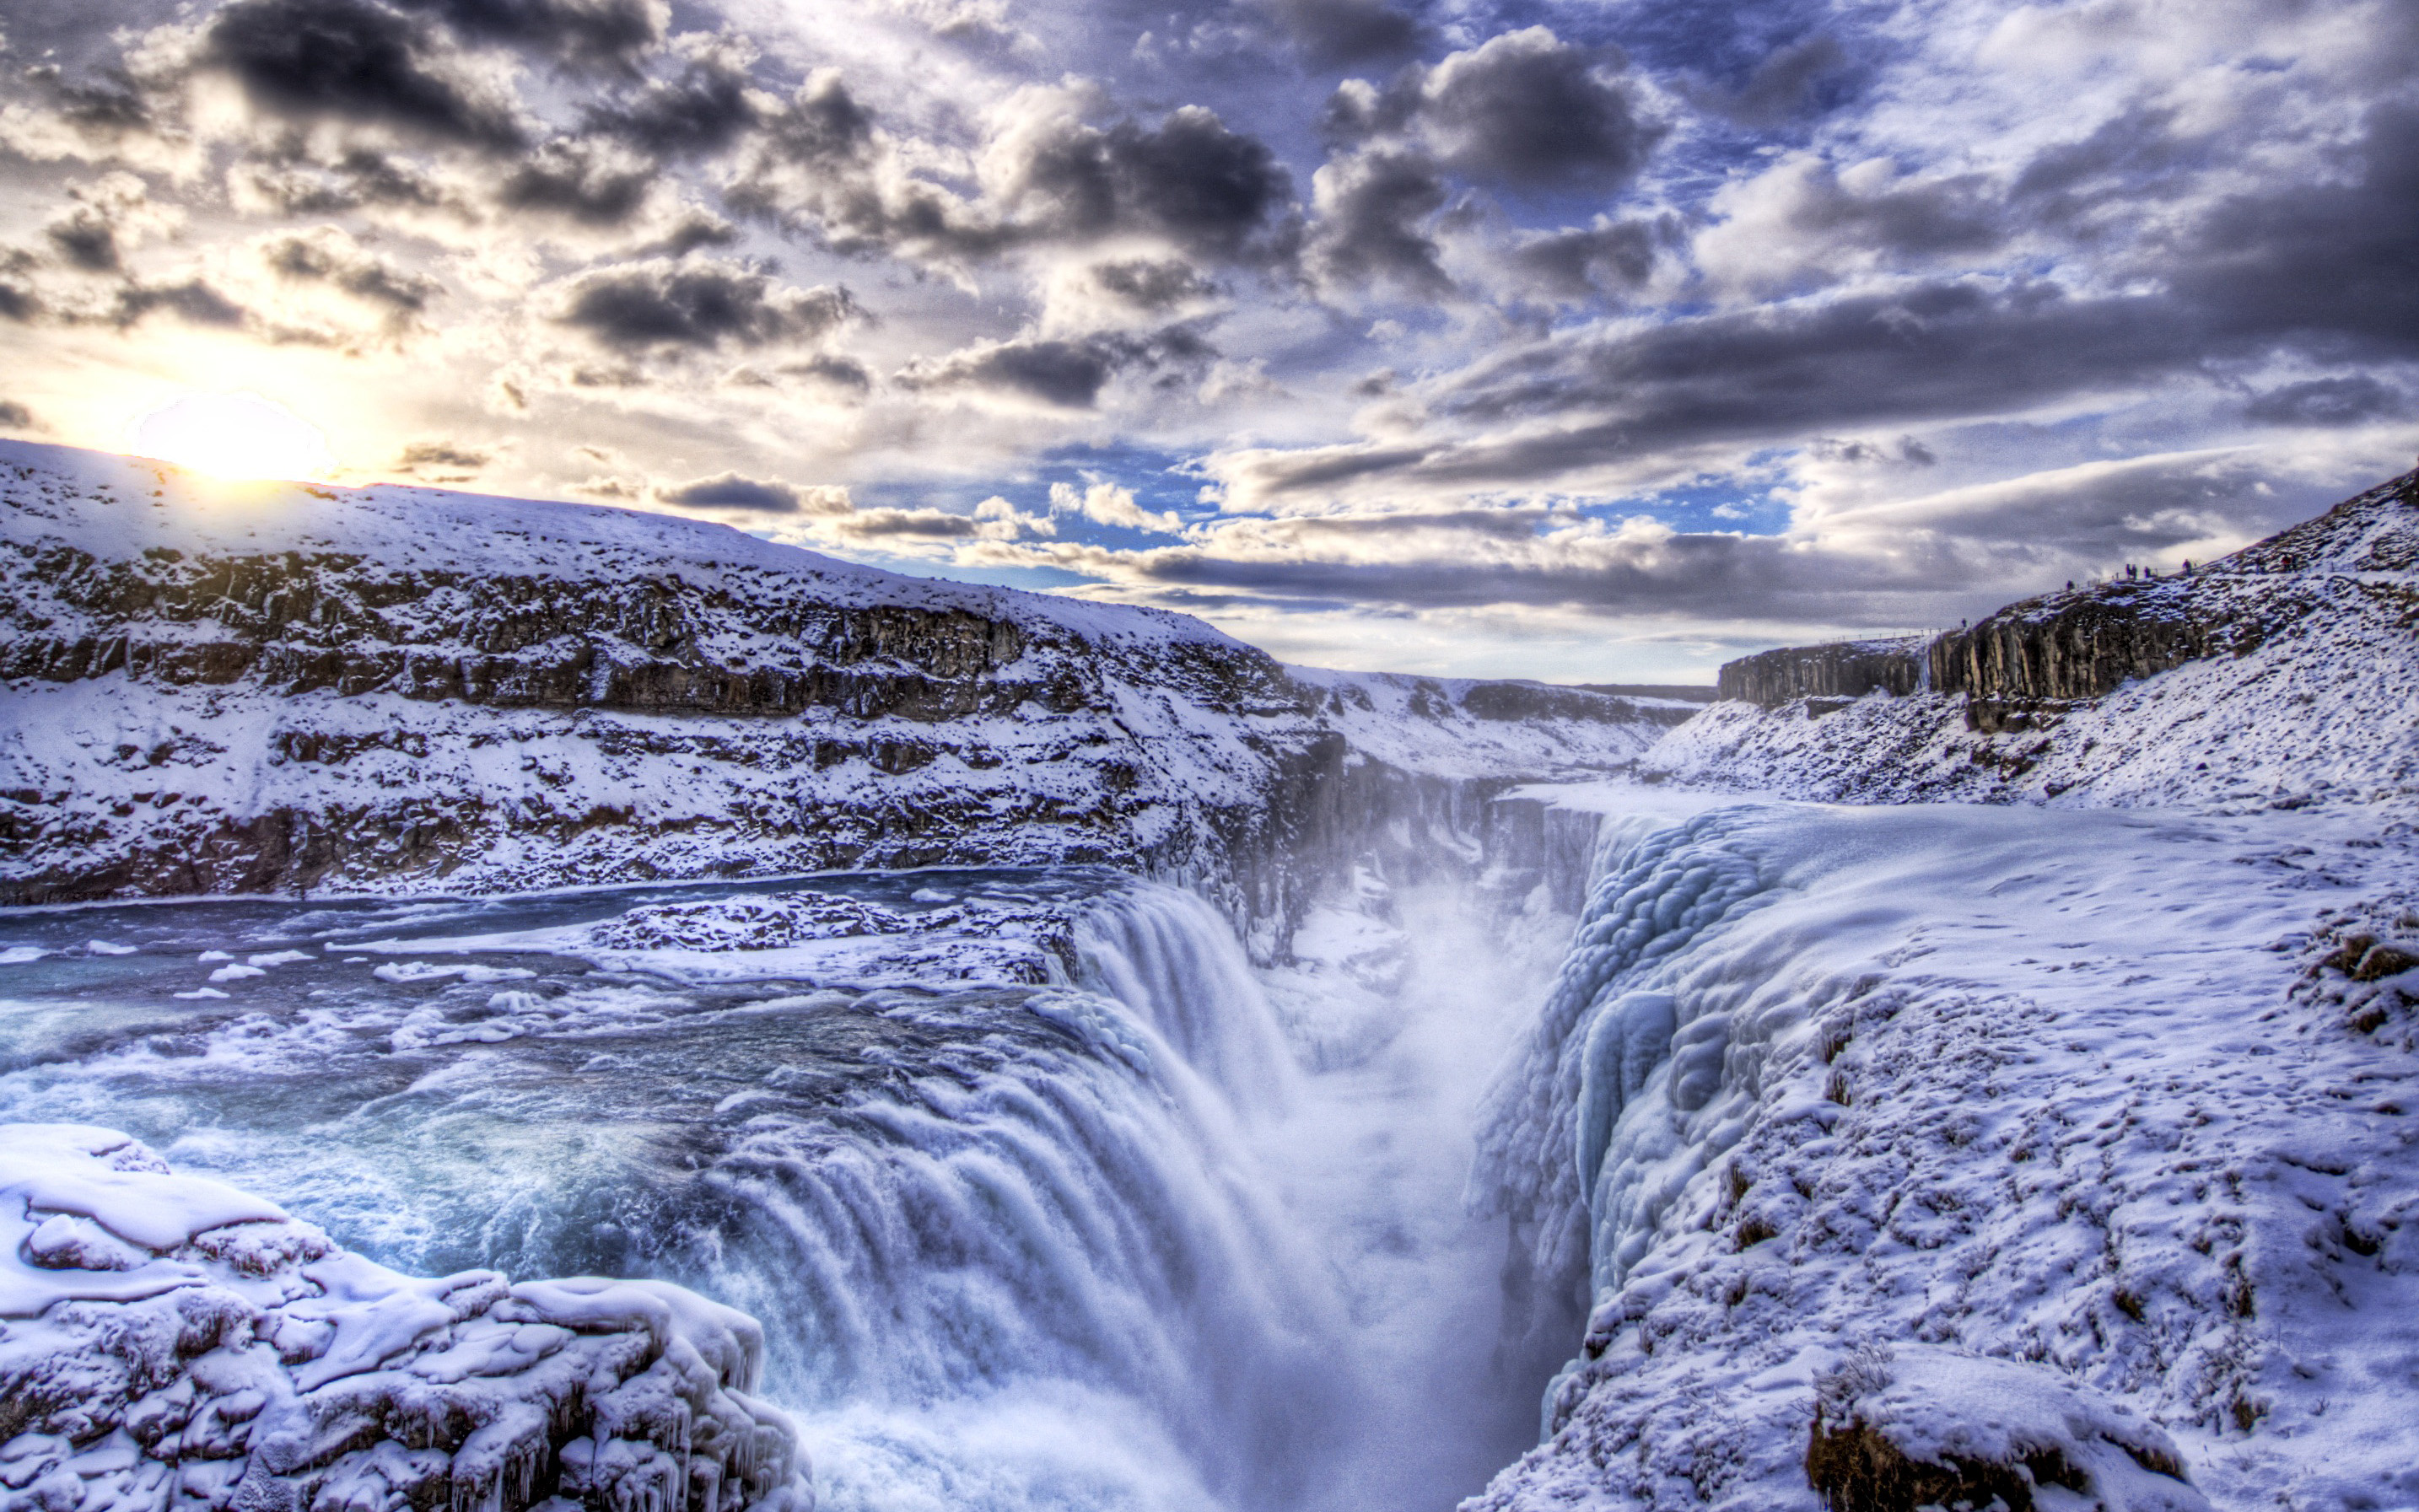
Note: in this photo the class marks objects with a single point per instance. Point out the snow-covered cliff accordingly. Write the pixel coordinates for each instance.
(217, 687)
(2285, 676)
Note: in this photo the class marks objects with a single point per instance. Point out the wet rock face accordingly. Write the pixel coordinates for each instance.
(1846, 670)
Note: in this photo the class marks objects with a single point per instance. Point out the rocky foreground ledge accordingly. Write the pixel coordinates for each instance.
(168, 1340)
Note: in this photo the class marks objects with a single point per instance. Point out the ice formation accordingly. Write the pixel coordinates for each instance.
(168, 1340)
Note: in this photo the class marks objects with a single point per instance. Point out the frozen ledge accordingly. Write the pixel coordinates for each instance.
(168, 1340)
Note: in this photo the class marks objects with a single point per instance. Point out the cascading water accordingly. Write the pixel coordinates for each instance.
(1017, 1168)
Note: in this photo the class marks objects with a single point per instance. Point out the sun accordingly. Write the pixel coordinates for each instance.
(234, 436)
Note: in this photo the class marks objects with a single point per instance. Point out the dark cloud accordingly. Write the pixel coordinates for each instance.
(587, 181)
(111, 104)
(443, 455)
(331, 257)
(1061, 375)
(1066, 375)
(192, 300)
(2135, 156)
(907, 524)
(815, 168)
(843, 372)
(1606, 260)
(1528, 109)
(1907, 450)
(821, 125)
(87, 240)
(1338, 33)
(2329, 401)
(698, 303)
(1373, 210)
(581, 31)
(1148, 285)
(356, 178)
(2332, 263)
(1945, 350)
(15, 416)
(1188, 177)
(1525, 109)
(729, 491)
(355, 61)
(1798, 80)
(703, 108)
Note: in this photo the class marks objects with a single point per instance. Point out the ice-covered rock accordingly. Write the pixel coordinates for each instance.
(2077, 1110)
(169, 1342)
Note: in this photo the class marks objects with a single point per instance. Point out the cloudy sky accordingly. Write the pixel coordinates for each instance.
(1587, 341)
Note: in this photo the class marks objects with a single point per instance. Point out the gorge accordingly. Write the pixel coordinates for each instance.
(1043, 1054)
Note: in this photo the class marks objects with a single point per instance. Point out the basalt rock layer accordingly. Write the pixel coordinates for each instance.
(1850, 668)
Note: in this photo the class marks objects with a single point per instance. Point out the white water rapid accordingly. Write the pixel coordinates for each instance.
(1047, 1198)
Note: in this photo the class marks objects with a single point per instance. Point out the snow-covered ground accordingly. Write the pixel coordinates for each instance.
(2082, 1113)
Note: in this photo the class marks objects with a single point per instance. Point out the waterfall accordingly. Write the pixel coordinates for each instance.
(1018, 1170)
(1062, 1220)
(1167, 956)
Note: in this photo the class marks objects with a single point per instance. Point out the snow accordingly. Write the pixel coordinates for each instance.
(114, 507)
(2073, 1091)
(167, 1339)
(1126, 737)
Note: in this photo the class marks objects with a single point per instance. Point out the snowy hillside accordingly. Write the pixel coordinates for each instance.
(215, 687)
(2284, 676)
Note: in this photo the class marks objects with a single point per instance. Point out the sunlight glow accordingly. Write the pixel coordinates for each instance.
(234, 436)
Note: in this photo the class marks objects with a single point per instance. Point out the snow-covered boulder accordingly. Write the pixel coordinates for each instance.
(168, 1340)
(1920, 1426)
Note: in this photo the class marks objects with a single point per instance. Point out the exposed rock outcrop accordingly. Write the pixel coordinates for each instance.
(1847, 670)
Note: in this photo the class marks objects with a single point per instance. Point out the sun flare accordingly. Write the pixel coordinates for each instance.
(235, 436)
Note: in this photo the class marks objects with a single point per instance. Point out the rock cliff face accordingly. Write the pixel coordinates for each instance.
(1848, 670)
(214, 689)
(2284, 674)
